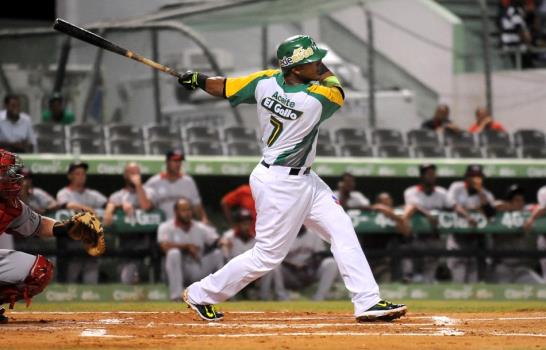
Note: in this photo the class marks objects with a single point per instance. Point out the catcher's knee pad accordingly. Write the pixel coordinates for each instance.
(38, 278)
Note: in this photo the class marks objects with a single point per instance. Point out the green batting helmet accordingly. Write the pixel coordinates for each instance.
(299, 49)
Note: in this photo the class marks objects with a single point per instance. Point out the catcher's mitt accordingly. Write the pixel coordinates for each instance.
(86, 227)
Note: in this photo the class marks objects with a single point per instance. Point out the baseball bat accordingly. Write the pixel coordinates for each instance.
(94, 39)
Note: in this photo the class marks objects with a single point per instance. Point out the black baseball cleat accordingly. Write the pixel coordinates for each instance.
(383, 311)
(206, 312)
(3, 318)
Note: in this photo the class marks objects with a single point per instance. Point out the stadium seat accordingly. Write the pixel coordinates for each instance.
(326, 150)
(529, 138)
(324, 136)
(161, 132)
(356, 151)
(501, 152)
(423, 137)
(494, 139)
(239, 134)
(462, 138)
(201, 134)
(50, 130)
(350, 136)
(160, 147)
(205, 148)
(534, 152)
(86, 131)
(465, 152)
(125, 146)
(387, 137)
(393, 151)
(50, 145)
(123, 132)
(243, 149)
(429, 152)
(87, 145)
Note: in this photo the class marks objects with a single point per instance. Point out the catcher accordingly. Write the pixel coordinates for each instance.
(22, 275)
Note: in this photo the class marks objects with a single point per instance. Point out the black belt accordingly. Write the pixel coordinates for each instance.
(293, 171)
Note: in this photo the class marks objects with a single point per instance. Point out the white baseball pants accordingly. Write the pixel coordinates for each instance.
(283, 204)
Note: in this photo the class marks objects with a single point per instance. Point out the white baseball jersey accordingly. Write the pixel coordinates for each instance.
(289, 115)
(124, 196)
(88, 197)
(39, 199)
(458, 193)
(238, 246)
(199, 234)
(436, 200)
(541, 197)
(356, 199)
(166, 192)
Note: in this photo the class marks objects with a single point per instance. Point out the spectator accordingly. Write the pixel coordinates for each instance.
(485, 122)
(425, 198)
(308, 261)
(16, 133)
(538, 211)
(471, 195)
(37, 199)
(78, 197)
(514, 270)
(57, 112)
(173, 184)
(348, 197)
(240, 198)
(515, 34)
(131, 197)
(185, 242)
(440, 122)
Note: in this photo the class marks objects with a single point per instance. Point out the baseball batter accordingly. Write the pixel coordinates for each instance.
(291, 108)
(22, 275)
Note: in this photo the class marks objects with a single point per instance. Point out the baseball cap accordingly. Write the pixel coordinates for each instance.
(424, 167)
(513, 190)
(474, 170)
(175, 154)
(76, 165)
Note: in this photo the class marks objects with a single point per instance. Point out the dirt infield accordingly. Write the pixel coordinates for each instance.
(272, 330)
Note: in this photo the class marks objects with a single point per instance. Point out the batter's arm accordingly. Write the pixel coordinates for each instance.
(214, 86)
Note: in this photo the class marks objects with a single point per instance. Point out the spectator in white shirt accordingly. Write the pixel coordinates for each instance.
(16, 133)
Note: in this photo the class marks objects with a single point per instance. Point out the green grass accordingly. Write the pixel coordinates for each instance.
(301, 306)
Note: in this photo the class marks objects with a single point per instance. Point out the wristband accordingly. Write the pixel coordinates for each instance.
(202, 80)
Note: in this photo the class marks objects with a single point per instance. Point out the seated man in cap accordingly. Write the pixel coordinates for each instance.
(189, 247)
(173, 184)
(472, 196)
(57, 112)
(78, 197)
(424, 198)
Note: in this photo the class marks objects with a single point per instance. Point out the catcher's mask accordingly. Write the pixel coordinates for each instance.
(11, 179)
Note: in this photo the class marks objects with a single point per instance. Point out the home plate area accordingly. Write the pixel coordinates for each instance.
(270, 330)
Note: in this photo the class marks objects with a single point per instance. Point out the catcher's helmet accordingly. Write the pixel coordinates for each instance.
(11, 177)
(297, 50)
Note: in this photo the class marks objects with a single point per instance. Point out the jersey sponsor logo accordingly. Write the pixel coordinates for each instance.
(280, 109)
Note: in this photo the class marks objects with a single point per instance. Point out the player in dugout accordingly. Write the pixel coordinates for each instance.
(291, 104)
(23, 275)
